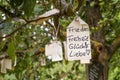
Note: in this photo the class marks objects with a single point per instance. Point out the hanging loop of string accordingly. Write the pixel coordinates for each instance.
(58, 26)
(55, 37)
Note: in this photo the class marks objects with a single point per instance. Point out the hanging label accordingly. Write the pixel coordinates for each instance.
(54, 50)
(3, 68)
(78, 41)
(8, 63)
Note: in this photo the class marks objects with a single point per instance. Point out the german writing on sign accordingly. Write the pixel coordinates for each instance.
(78, 41)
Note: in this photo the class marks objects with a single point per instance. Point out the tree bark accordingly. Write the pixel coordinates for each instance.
(98, 69)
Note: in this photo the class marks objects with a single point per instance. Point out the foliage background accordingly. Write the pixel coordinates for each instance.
(26, 45)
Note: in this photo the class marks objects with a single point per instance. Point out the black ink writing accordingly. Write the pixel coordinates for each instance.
(77, 38)
(78, 46)
(78, 42)
(73, 29)
(79, 53)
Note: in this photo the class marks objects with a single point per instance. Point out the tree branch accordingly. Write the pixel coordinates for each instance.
(93, 13)
(65, 8)
(79, 5)
(42, 18)
(115, 45)
(14, 31)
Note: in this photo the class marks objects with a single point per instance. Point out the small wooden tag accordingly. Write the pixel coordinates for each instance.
(54, 50)
(48, 50)
(8, 63)
(3, 68)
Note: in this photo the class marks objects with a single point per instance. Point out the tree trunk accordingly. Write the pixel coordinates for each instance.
(98, 69)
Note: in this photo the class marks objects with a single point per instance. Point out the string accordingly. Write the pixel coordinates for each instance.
(57, 29)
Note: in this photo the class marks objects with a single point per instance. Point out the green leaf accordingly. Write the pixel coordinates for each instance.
(28, 7)
(10, 77)
(92, 3)
(1, 2)
(11, 50)
(2, 44)
(16, 3)
(7, 27)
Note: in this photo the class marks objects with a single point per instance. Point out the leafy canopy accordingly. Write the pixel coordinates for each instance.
(23, 35)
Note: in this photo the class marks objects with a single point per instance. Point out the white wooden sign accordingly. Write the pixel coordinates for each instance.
(78, 41)
(6, 64)
(3, 68)
(54, 50)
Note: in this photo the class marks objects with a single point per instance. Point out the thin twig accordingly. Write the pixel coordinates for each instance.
(14, 31)
(28, 22)
(80, 2)
(115, 45)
